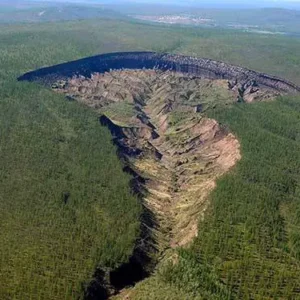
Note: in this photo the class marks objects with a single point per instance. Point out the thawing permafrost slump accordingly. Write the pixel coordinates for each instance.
(173, 150)
(154, 105)
(164, 138)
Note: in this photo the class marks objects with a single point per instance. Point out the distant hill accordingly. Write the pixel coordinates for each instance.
(259, 19)
(273, 18)
(9, 14)
(262, 20)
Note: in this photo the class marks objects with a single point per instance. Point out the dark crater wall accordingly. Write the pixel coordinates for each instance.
(199, 67)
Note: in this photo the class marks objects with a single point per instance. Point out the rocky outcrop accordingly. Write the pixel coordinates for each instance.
(200, 67)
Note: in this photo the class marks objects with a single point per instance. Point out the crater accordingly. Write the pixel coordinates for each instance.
(155, 108)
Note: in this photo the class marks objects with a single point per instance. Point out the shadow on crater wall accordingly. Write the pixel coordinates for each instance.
(199, 67)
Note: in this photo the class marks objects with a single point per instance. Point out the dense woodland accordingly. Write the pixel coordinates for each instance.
(65, 203)
(248, 244)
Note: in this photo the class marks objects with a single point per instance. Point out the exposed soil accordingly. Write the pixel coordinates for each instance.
(177, 150)
(174, 152)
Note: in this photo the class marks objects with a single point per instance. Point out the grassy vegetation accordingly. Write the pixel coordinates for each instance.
(64, 200)
(120, 112)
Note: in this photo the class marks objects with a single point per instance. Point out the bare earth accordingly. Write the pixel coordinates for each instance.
(166, 139)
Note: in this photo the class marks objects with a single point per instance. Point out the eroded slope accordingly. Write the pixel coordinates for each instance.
(157, 118)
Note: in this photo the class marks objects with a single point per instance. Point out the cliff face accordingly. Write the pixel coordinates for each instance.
(199, 67)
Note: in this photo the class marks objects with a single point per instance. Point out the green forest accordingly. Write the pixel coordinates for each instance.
(66, 205)
(248, 245)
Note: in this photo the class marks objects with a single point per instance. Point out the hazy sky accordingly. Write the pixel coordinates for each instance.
(189, 1)
(199, 2)
(293, 4)
(206, 2)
